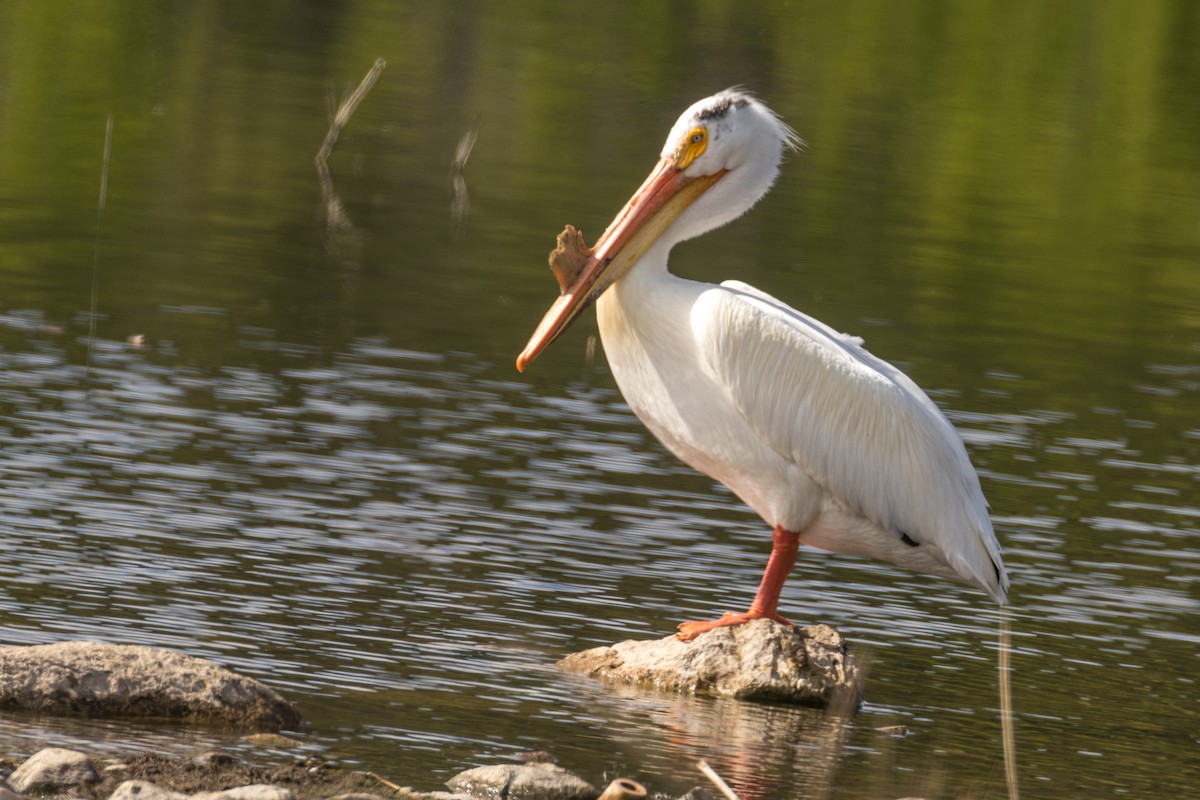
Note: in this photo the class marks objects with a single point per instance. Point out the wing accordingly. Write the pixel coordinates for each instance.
(853, 422)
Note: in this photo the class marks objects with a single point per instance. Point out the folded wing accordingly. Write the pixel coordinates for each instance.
(854, 423)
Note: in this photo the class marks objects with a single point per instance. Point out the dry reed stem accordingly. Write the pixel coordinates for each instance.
(346, 109)
(1007, 734)
(96, 252)
(387, 783)
(717, 780)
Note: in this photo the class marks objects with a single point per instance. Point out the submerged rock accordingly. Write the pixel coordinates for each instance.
(759, 660)
(131, 680)
(539, 780)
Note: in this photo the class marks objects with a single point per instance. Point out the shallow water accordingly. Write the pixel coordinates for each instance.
(320, 468)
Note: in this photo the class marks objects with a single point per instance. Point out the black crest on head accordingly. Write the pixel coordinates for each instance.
(721, 107)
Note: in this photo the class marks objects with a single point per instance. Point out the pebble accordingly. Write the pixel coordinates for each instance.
(143, 790)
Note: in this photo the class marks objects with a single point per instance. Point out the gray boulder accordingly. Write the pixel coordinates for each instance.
(130, 680)
(760, 660)
(533, 781)
(52, 768)
(143, 790)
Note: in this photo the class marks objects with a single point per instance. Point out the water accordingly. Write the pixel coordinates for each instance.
(320, 468)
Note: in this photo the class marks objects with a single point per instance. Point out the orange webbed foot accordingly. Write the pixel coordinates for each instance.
(690, 630)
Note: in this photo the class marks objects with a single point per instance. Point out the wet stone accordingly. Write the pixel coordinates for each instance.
(131, 680)
(534, 781)
(760, 660)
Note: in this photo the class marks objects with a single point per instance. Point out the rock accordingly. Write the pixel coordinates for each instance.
(258, 791)
(760, 660)
(143, 790)
(8, 794)
(130, 680)
(51, 768)
(536, 781)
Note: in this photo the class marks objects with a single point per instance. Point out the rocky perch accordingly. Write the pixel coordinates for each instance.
(760, 660)
(129, 680)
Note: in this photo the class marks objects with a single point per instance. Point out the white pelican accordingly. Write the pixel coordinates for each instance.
(833, 447)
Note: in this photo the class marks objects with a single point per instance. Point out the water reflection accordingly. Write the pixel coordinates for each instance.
(406, 543)
(764, 750)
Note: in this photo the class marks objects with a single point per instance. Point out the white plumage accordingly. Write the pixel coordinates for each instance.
(832, 446)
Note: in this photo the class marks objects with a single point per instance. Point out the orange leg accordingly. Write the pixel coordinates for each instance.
(784, 546)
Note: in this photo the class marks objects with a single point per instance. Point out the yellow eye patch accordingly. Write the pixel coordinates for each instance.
(692, 148)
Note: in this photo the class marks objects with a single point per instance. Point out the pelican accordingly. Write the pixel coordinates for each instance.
(833, 447)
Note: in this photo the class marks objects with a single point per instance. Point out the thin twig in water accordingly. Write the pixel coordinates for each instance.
(460, 202)
(1007, 735)
(717, 780)
(387, 783)
(339, 228)
(87, 370)
(342, 116)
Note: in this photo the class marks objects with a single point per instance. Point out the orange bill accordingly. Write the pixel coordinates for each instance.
(661, 199)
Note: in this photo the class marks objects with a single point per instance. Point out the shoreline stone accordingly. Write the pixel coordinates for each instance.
(761, 660)
(153, 776)
(115, 680)
(51, 768)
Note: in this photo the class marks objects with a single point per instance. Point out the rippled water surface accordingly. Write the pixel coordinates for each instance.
(296, 444)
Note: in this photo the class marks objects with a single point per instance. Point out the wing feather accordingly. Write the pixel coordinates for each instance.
(856, 424)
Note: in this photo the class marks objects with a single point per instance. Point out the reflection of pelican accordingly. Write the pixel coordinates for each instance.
(834, 447)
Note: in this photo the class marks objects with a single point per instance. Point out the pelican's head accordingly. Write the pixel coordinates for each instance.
(733, 136)
(721, 157)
